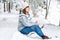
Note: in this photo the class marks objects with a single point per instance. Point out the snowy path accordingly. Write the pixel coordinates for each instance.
(8, 28)
(8, 25)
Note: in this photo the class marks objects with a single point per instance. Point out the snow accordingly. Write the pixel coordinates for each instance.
(50, 30)
(54, 14)
(9, 24)
(1, 7)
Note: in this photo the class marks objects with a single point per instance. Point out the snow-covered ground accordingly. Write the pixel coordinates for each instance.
(9, 24)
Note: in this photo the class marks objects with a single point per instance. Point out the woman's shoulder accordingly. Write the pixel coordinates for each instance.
(21, 15)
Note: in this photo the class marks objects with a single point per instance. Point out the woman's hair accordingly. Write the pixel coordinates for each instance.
(24, 10)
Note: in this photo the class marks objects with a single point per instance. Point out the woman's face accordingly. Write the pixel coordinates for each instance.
(27, 10)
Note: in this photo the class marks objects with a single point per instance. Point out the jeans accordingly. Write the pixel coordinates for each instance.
(34, 28)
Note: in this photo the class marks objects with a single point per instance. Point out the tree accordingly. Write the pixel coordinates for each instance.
(47, 8)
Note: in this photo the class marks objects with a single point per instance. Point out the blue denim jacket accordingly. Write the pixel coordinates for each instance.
(24, 20)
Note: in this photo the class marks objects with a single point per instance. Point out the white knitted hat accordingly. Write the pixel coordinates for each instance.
(25, 5)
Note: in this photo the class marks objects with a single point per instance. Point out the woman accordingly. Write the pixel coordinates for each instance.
(26, 25)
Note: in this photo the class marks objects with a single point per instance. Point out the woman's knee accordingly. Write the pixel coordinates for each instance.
(34, 27)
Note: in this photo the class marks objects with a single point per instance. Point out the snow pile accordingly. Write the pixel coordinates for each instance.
(18, 36)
